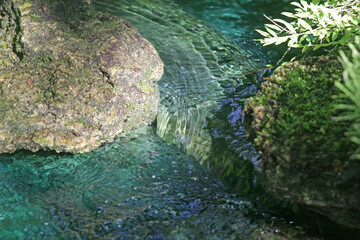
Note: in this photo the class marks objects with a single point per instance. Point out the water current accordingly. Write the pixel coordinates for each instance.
(156, 183)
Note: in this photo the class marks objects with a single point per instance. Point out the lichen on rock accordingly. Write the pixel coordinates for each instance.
(305, 154)
(71, 78)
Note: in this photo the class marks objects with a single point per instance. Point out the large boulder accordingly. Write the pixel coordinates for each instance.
(305, 153)
(71, 78)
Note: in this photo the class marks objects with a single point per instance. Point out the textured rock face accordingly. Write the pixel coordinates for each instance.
(305, 154)
(71, 78)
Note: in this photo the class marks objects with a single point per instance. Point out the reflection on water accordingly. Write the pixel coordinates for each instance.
(238, 17)
(137, 187)
(140, 186)
(202, 65)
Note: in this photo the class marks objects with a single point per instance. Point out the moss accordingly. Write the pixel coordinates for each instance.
(52, 75)
(295, 114)
(36, 18)
(146, 87)
(305, 153)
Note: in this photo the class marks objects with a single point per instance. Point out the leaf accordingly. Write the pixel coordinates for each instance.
(346, 107)
(347, 117)
(288, 14)
(263, 33)
(304, 24)
(355, 140)
(344, 40)
(345, 90)
(327, 39)
(296, 4)
(303, 37)
(317, 47)
(281, 40)
(335, 35)
(305, 48)
(269, 41)
(352, 29)
(304, 3)
(271, 31)
(355, 156)
(272, 26)
(287, 25)
(316, 2)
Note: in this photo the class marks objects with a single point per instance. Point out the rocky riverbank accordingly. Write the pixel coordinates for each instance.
(305, 153)
(71, 78)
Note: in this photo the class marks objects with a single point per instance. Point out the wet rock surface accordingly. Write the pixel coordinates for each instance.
(71, 78)
(305, 154)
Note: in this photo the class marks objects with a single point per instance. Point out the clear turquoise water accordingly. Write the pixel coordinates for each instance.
(138, 187)
(149, 184)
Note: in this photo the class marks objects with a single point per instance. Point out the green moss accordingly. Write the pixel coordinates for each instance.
(145, 86)
(36, 18)
(295, 117)
(110, 25)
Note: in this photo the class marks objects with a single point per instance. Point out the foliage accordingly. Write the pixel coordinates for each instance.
(296, 109)
(350, 86)
(326, 24)
(333, 23)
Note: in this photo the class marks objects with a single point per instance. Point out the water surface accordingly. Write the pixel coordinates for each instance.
(138, 187)
(150, 184)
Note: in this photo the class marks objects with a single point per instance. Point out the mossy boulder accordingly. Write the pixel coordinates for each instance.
(305, 154)
(71, 78)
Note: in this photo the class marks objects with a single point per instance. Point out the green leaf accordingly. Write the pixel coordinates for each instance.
(317, 47)
(346, 91)
(281, 40)
(355, 140)
(271, 31)
(303, 37)
(269, 41)
(316, 2)
(287, 25)
(288, 14)
(263, 33)
(335, 35)
(355, 156)
(304, 24)
(296, 4)
(352, 29)
(304, 3)
(272, 26)
(346, 107)
(344, 40)
(305, 48)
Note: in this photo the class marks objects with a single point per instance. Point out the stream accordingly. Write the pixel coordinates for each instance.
(160, 181)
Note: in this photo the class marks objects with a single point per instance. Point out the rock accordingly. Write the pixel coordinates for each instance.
(71, 78)
(305, 154)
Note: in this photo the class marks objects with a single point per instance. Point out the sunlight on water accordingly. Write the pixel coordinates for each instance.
(140, 186)
(201, 67)
(137, 187)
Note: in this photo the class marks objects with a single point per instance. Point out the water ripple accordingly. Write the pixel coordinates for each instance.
(202, 65)
(137, 187)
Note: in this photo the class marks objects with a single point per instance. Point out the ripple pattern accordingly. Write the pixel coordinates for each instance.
(138, 187)
(201, 66)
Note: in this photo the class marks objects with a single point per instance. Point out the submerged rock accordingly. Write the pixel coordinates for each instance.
(305, 154)
(71, 78)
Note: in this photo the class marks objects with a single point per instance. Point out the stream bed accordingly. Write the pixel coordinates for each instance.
(156, 183)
